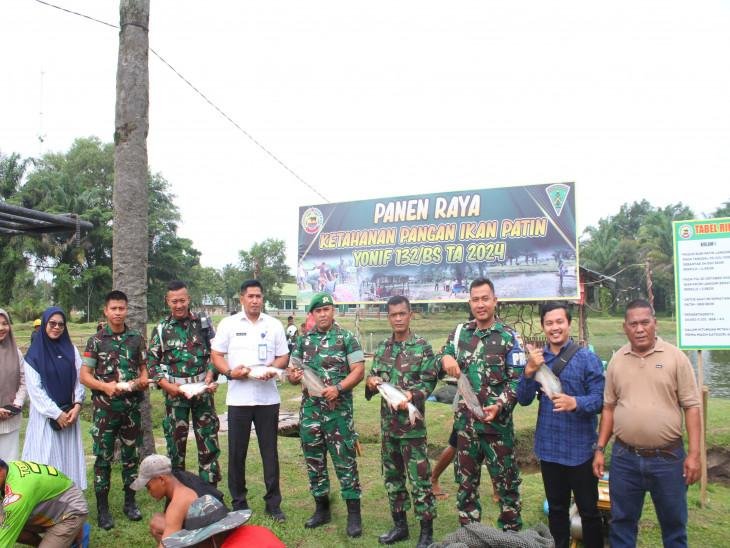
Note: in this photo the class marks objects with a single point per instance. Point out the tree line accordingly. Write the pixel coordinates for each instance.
(79, 273)
(625, 246)
(637, 241)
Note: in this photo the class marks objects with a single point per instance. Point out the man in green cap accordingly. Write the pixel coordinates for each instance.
(335, 356)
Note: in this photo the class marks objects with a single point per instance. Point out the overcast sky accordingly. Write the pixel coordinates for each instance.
(630, 100)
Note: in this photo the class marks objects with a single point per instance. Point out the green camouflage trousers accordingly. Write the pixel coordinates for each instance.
(108, 425)
(498, 452)
(201, 409)
(401, 455)
(321, 431)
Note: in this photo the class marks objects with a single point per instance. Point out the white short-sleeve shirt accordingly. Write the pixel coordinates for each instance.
(250, 343)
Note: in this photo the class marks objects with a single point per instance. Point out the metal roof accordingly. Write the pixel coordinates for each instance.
(16, 220)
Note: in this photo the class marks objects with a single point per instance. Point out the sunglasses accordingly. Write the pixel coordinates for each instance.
(56, 325)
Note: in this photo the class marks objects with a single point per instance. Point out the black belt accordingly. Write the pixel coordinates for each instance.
(663, 451)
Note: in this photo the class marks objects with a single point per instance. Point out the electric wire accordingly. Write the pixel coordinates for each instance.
(204, 97)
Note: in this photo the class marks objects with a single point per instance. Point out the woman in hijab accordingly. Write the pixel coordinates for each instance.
(53, 435)
(12, 390)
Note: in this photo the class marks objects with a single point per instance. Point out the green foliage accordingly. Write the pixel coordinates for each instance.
(723, 211)
(81, 181)
(636, 240)
(266, 262)
(232, 279)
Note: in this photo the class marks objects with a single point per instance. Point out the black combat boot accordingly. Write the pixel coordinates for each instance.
(354, 521)
(399, 532)
(104, 517)
(426, 538)
(130, 506)
(321, 514)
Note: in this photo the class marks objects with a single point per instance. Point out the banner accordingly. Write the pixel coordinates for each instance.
(430, 247)
(702, 283)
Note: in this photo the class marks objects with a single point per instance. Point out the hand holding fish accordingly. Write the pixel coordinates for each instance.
(404, 404)
(491, 412)
(451, 366)
(295, 375)
(398, 399)
(330, 393)
(563, 403)
(373, 382)
(535, 360)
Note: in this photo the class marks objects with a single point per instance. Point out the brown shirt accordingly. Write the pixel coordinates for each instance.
(648, 394)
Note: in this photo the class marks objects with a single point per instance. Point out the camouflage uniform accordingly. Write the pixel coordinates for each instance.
(492, 359)
(181, 346)
(116, 357)
(324, 426)
(409, 365)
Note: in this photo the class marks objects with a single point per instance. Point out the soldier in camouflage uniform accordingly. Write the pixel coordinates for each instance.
(407, 362)
(179, 353)
(115, 369)
(490, 354)
(326, 423)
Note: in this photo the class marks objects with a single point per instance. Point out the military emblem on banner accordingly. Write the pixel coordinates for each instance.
(558, 194)
(312, 220)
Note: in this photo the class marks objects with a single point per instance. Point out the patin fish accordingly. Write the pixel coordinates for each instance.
(395, 396)
(261, 371)
(463, 387)
(312, 382)
(193, 389)
(549, 381)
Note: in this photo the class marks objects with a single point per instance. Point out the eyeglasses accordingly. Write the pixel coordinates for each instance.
(56, 325)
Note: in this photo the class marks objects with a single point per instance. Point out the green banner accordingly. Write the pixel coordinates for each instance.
(430, 247)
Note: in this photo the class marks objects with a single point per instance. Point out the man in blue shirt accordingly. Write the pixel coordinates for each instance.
(565, 434)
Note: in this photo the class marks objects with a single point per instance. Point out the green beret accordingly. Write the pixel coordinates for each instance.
(321, 299)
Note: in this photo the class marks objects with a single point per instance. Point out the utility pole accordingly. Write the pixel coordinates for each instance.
(130, 233)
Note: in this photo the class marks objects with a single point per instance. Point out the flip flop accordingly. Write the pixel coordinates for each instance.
(440, 495)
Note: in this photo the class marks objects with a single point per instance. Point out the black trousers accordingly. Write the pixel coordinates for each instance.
(265, 418)
(559, 480)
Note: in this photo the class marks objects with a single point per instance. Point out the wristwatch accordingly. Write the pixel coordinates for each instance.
(227, 374)
(339, 387)
(599, 448)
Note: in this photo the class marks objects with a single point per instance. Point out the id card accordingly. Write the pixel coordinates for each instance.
(262, 352)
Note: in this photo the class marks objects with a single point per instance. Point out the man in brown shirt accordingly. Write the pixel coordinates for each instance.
(649, 383)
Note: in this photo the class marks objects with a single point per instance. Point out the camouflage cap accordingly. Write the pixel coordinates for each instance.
(151, 467)
(321, 299)
(207, 516)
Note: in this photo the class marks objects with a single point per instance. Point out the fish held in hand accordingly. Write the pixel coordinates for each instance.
(266, 372)
(193, 389)
(549, 381)
(312, 382)
(395, 396)
(463, 387)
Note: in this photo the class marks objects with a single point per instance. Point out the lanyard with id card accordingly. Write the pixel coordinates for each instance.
(262, 349)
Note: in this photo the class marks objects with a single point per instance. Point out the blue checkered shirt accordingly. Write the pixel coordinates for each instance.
(567, 437)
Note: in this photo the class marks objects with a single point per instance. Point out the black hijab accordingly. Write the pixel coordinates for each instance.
(54, 361)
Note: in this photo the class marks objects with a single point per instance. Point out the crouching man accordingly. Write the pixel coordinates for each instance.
(178, 487)
(41, 506)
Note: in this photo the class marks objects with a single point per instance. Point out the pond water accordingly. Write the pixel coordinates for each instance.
(716, 369)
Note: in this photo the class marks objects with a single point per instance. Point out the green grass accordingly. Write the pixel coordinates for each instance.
(706, 526)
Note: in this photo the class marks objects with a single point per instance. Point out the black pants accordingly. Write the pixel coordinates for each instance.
(266, 421)
(559, 480)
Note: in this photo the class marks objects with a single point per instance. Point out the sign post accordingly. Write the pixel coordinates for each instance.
(702, 283)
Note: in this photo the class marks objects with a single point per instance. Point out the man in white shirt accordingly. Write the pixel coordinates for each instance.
(243, 343)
